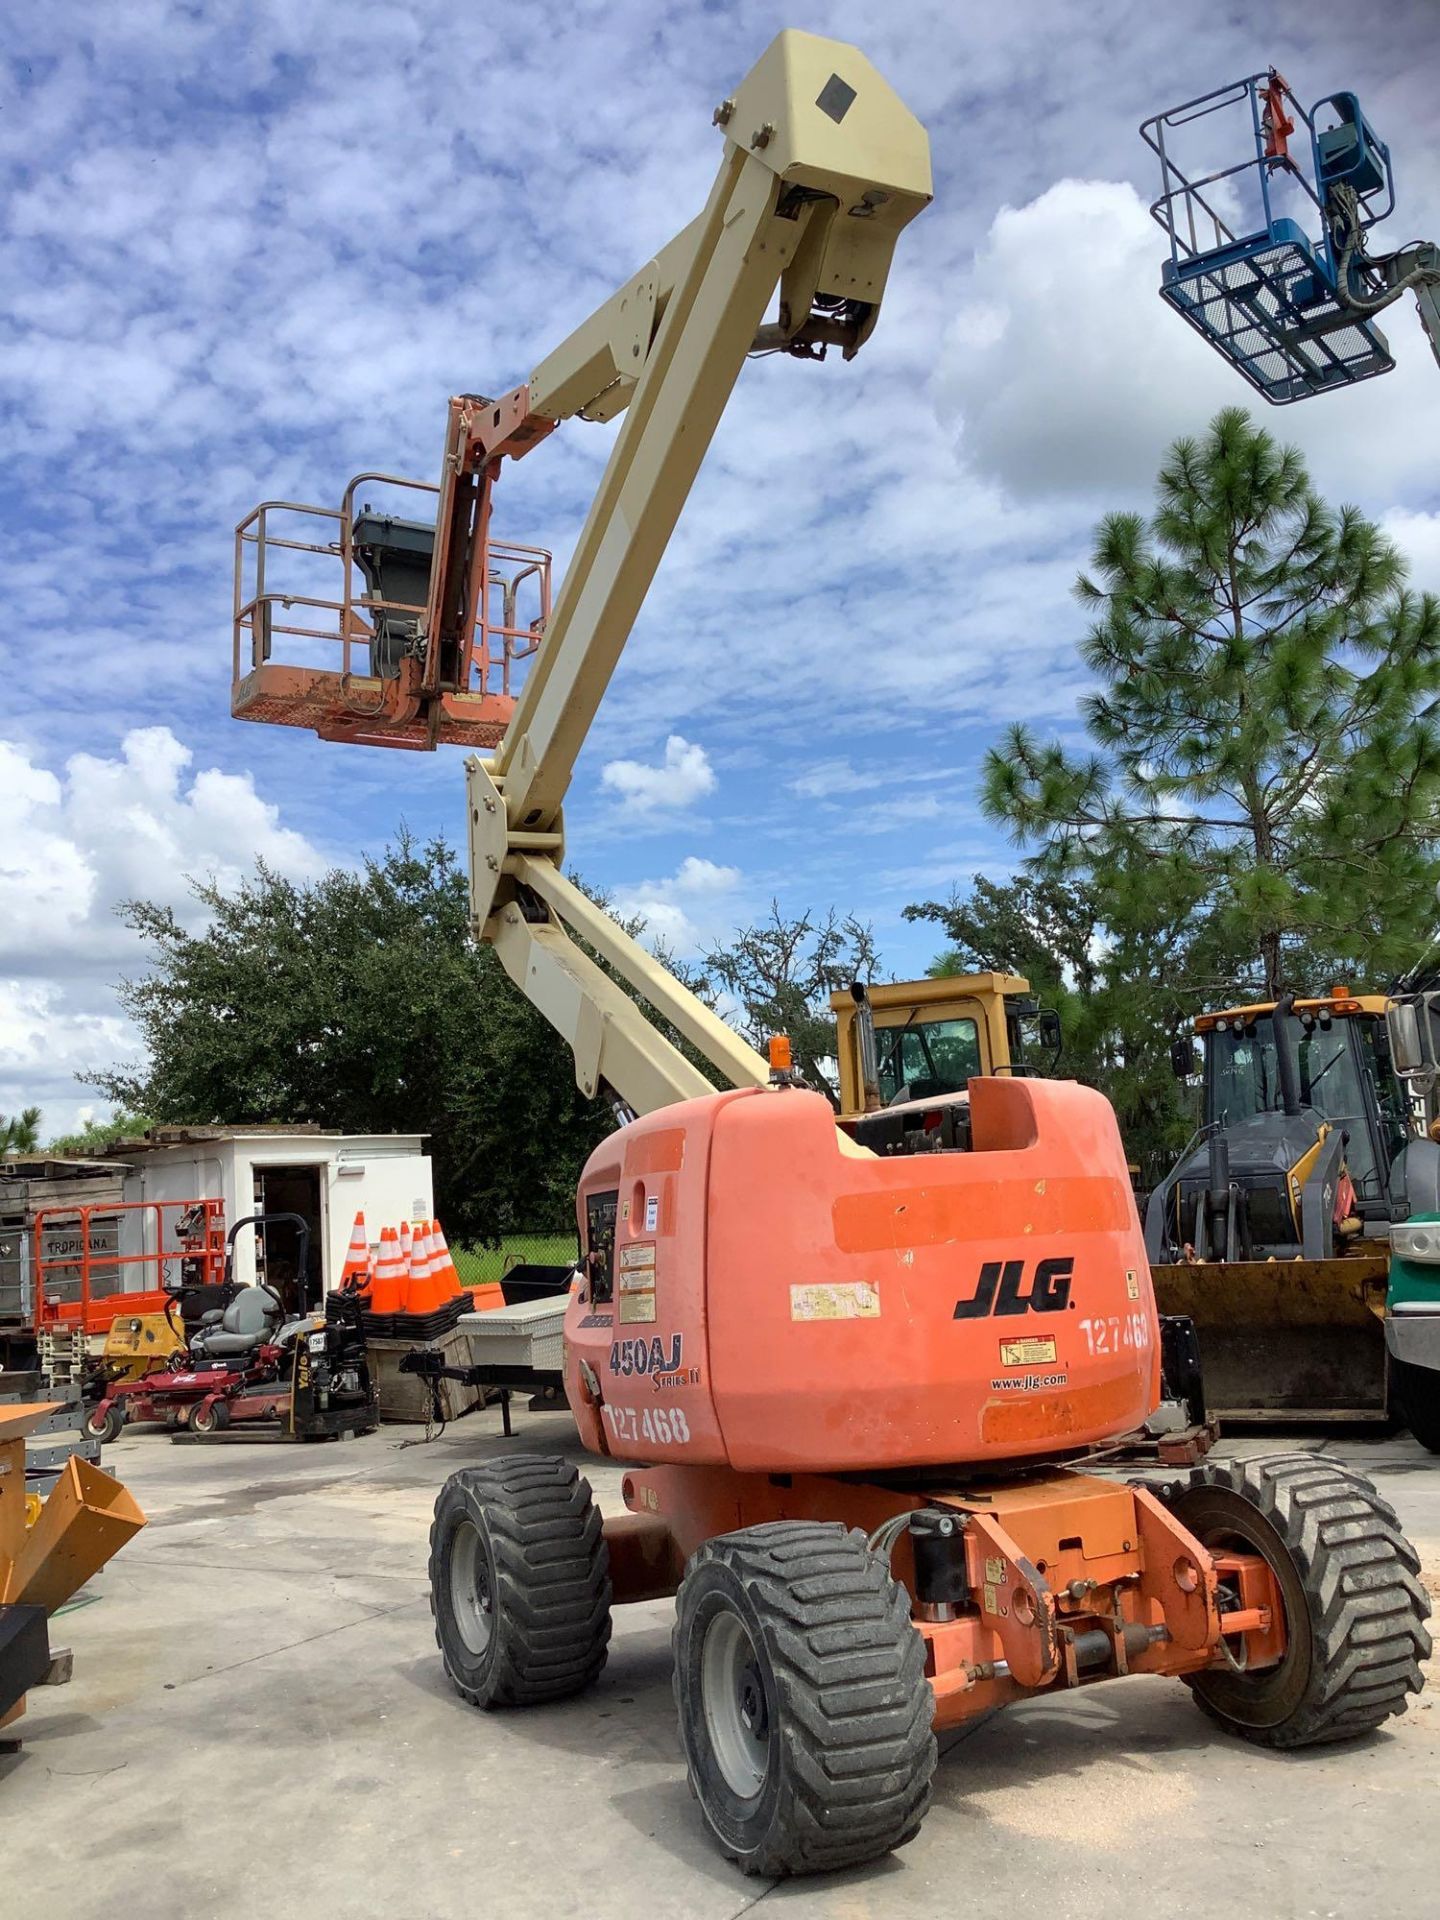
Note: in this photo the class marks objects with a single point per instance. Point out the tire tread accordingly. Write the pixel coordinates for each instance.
(1360, 1577)
(553, 1594)
(859, 1747)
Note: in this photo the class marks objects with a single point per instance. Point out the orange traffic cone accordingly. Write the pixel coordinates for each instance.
(429, 1290)
(355, 1274)
(388, 1286)
(407, 1248)
(413, 1238)
(444, 1265)
(485, 1295)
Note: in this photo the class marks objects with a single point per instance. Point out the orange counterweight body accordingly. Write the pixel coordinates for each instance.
(773, 1305)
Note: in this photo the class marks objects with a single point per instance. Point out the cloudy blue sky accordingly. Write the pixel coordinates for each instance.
(248, 250)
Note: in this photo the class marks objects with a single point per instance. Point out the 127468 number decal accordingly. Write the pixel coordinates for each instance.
(1120, 1333)
(661, 1426)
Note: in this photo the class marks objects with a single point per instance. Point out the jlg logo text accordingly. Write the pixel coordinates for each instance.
(1002, 1289)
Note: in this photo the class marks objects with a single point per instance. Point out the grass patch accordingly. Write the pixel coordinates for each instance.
(476, 1265)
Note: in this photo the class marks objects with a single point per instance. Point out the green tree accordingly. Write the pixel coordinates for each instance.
(1266, 728)
(20, 1132)
(1044, 928)
(780, 974)
(360, 1002)
(1115, 995)
(96, 1135)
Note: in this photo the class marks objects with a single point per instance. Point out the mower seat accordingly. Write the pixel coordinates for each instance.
(245, 1326)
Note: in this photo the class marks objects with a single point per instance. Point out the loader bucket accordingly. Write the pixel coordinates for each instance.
(1286, 1340)
(86, 1520)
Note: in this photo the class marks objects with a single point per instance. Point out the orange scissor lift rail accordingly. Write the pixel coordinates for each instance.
(96, 1264)
(425, 641)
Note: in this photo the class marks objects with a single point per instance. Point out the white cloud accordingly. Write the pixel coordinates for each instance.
(825, 779)
(682, 777)
(1418, 537)
(76, 845)
(687, 910)
(1060, 368)
(1063, 373)
(696, 875)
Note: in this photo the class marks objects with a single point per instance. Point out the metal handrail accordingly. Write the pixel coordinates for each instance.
(1162, 210)
(497, 643)
(91, 1308)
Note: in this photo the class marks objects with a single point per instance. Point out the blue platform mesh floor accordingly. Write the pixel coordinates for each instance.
(1244, 302)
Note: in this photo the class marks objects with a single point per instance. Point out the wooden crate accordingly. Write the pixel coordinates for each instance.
(404, 1396)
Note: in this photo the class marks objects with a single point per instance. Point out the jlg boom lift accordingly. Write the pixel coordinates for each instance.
(853, 1389)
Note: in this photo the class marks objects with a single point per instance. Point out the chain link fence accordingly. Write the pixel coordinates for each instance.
(476, 1265)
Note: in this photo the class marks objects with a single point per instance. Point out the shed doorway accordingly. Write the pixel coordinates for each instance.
(292, 1190)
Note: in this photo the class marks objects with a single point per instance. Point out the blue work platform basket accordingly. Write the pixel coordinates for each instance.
(1245, 269)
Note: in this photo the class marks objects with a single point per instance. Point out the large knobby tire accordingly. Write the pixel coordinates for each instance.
(1354, 1606)
(1418, 1391)
(805, 1713)
(519, 1582)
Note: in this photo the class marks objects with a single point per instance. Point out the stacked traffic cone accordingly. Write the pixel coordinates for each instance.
(355, 1275)
(387, 1288)
(407, 1249)
(429, 1289)
(431, 1299)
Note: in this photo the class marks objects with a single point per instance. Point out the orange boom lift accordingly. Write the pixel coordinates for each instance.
(862, 1396)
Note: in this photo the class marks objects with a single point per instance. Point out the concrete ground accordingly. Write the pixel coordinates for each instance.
(259, 1721)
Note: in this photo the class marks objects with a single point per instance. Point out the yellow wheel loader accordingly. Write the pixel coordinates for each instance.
(905, 1048)
(1273, 1230)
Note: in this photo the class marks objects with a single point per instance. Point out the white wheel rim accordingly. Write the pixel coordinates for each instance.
(470, 1599)
(737, 1715)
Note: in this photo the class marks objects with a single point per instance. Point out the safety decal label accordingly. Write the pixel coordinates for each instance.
(652, 1212)
(1132, 1283)
(637, 1284)
(847, 1300)
(1027, 1353)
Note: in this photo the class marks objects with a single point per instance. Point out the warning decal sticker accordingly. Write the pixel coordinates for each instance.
(1032, 1352)
(637, 1284)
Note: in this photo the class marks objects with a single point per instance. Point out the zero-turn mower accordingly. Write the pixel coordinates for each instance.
(250, 1364)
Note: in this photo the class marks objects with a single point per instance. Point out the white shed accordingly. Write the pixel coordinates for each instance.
(327, 1178)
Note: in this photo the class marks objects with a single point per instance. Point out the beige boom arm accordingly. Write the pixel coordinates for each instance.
(823, 167)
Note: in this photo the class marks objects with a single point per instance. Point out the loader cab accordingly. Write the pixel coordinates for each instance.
(1296, 1097)
(908, 1050)
(1343, 1076)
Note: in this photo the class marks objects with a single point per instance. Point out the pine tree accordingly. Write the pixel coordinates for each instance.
(20, 1133)
(1266, 727)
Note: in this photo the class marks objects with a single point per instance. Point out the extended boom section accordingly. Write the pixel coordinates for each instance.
(823, 167)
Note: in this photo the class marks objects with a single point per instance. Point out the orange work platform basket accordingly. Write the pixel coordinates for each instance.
(358, 624)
